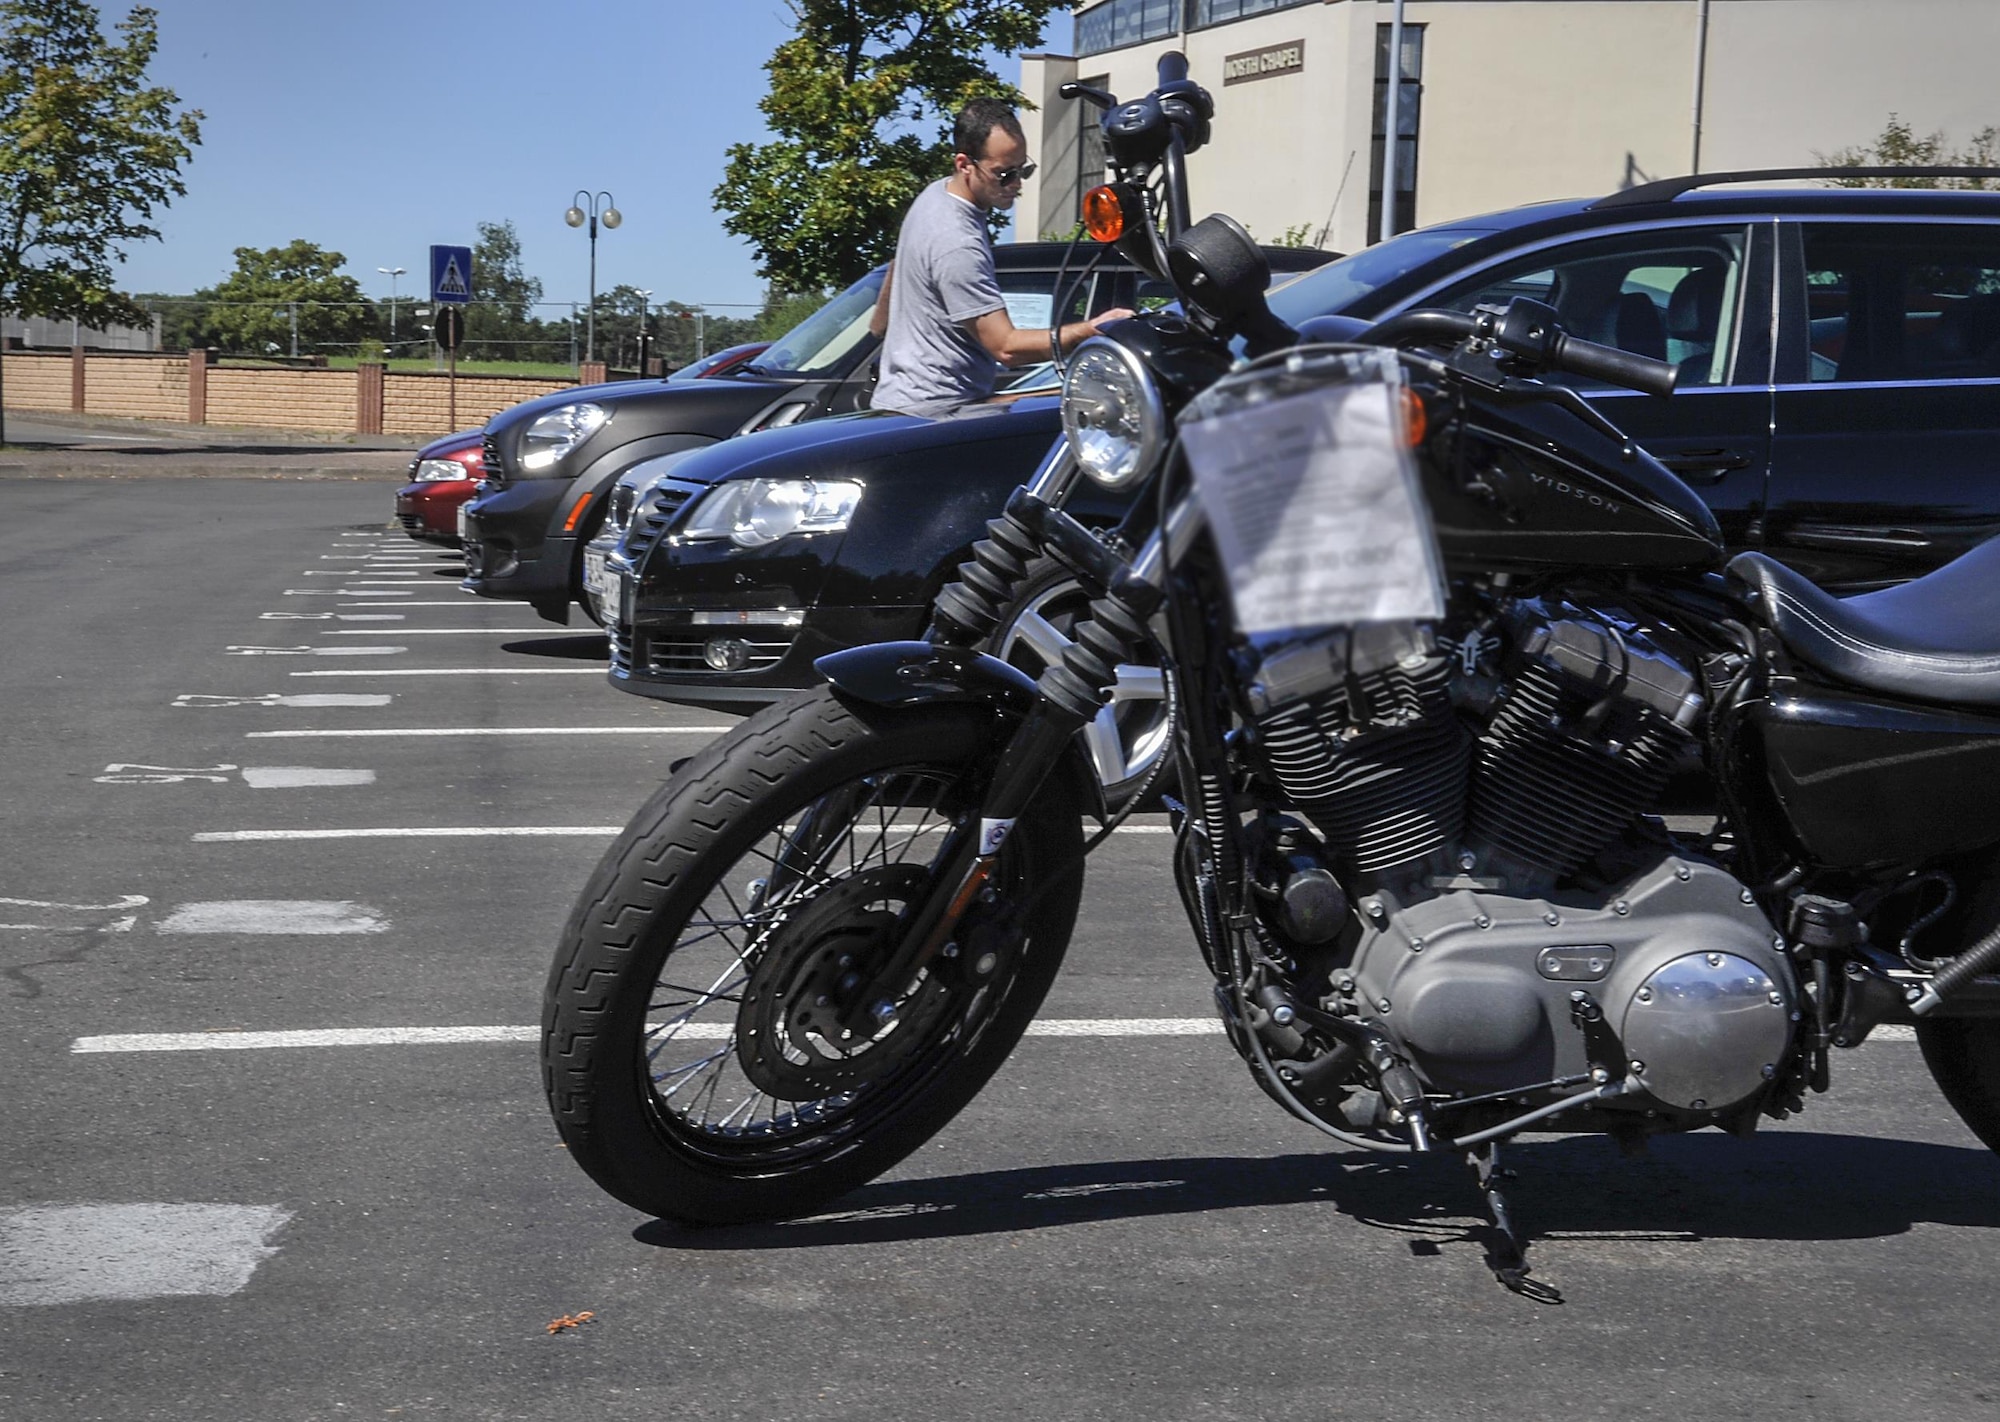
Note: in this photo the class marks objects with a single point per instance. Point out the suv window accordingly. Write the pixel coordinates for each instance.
(1902, 303)
(1673, 296)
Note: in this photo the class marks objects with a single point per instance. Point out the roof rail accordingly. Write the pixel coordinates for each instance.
(1667, 189)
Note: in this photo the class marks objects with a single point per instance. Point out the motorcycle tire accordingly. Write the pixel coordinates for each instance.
(736, 866)
(1963, 1055)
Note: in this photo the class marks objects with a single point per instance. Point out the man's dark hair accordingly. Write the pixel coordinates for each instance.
(976, 122)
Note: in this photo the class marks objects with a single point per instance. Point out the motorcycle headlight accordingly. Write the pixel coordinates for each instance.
(555, 434)
(434, 471)
(1111, 413)
(753, 512)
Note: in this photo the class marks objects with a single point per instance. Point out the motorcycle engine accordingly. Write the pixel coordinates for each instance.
(1515, 921)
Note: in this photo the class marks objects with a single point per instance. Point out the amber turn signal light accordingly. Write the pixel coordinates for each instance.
(1416, 421)
(1104, 213)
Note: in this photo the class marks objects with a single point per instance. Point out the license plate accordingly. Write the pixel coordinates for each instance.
(462, 511)
(594, 581)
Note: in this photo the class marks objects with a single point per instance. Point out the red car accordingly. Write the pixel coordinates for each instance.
(443, 477)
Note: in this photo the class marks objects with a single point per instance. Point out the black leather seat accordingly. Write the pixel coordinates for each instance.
(1936, 639)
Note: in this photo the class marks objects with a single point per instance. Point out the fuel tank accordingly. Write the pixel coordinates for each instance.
(1532, 486)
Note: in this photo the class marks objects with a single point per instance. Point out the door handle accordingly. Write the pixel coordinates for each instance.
(1705, 466)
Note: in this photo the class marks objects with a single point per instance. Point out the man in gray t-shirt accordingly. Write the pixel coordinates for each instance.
(949, 335)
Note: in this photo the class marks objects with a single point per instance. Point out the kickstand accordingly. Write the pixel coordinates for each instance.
(1508, 1257)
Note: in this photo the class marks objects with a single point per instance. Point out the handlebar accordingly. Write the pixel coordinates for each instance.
(1530, 330)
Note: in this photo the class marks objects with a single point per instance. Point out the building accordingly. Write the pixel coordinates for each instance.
(42, 332)
(1502, 101)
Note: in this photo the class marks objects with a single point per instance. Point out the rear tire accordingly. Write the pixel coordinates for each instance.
(1963, 1054)
(771, 1116)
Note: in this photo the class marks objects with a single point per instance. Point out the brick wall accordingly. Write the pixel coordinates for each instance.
(137, 387)
(155, 387)
(282, 399)
(420, 404)
(36, 381)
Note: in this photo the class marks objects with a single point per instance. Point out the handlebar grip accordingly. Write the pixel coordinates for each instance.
(1173, 67)
(1616, 367)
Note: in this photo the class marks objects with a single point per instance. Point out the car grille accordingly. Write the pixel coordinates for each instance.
(620, 637)
(680, 655)
(414, 523)
(670, 497)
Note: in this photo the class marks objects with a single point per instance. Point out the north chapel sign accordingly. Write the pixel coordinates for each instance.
(1266, 63)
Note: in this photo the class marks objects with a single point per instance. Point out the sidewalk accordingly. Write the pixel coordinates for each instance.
(43, 445)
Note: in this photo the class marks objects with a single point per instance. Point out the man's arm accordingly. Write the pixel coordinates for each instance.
(878, 321)
(1011, 346)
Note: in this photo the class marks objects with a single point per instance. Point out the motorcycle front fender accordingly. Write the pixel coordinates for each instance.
(903, 674)
(914, 673)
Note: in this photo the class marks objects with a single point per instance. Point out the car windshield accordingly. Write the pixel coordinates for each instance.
(1331, 289)
(821, 343)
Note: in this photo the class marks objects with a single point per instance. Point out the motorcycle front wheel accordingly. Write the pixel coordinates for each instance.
(698, 1045)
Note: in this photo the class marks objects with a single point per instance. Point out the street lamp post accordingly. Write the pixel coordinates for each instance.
(645, 345)
(392, 273)
(583, 207)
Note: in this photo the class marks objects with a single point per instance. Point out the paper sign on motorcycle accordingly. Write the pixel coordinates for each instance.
(1316, 509)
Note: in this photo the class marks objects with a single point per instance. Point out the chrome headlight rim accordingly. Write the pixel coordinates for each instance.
(755, 513)
(555, 434)
(1110, 460)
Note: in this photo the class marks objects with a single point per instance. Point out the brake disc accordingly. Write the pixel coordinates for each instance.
(789, 1038)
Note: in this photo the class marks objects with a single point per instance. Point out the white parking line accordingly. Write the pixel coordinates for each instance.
(302, 777)
(463, 671)
(66, 1254)
(316, 651)
(347, 592)
(234, 1041)
(469, 600)
(484, 832)
(289, 917)
(448, 631)
(498, 731)
(207, 701)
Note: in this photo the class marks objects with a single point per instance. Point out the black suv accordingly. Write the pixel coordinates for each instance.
(1839, 407)
(551, 460)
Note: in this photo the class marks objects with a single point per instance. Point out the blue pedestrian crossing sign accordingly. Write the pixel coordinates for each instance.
(451, 275)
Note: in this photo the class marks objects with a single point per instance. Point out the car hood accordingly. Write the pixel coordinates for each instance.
(438, 448)
(844, 446)
(701, 403)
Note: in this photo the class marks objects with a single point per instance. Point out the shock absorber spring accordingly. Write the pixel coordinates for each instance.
(1113, 632)
(971, 605)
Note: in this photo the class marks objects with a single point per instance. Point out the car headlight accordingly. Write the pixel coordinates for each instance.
(1111, 413)
(434, 471)
(555, 434)
(753, 512)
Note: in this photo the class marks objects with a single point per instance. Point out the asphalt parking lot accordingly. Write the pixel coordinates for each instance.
(291, 826)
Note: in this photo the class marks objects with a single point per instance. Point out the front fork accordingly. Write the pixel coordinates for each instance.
(1071, 694)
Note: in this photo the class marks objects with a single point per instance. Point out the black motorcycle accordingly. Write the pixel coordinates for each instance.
(1418, 840)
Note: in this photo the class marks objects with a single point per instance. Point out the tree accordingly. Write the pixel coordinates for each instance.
(1900, 146)
(89, 151)
(861, 103)
(254, 307)
(501, 322)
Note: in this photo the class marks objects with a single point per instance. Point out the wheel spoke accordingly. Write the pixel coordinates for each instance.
(1106, 747)
(1038, 635)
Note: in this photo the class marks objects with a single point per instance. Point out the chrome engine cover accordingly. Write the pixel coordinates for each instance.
(1479, 989)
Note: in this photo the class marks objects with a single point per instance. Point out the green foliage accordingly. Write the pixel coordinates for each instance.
(1900, 146)
(861, 104)
(784, 310)
(251, 309)
(88, 152)
(1299, 236)
(499, 322)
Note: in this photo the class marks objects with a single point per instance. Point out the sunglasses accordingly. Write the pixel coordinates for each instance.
(1004, 176)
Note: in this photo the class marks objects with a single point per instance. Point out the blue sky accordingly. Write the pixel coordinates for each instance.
(378, 127)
